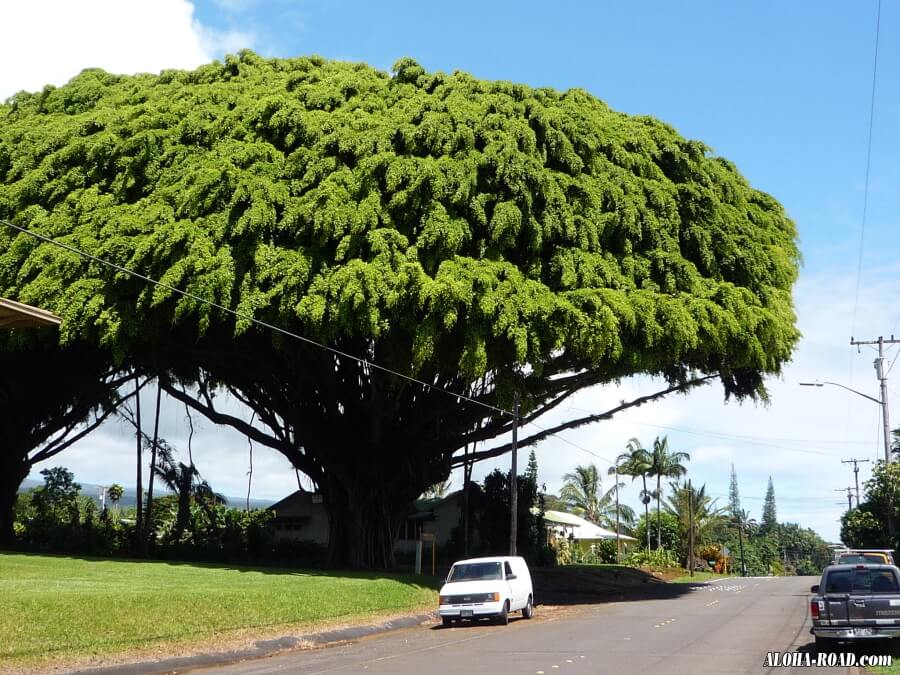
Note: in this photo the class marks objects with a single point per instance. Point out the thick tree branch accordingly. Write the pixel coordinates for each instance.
(581, 421)
(60, 443)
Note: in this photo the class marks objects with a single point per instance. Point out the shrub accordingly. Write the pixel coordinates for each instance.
(660, 559)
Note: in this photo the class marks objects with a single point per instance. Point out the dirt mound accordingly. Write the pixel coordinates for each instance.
(581, 584)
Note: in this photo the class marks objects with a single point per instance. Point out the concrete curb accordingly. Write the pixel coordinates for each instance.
(260, 649)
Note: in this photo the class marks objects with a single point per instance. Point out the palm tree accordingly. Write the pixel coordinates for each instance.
(634, 462)
(664, 463)
(682, 501)
(438, 490)
(606, 508)
(114, 492)
(581, 492)
(186, 482)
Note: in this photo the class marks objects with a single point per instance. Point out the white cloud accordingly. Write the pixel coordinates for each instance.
(49, 42)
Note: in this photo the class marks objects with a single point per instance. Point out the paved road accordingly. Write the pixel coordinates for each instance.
(725, 627)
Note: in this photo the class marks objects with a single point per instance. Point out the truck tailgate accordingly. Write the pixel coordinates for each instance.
(874, 610)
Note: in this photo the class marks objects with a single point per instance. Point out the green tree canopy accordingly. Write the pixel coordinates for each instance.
(482, 236)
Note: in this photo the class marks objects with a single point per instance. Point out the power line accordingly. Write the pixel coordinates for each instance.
(725, 434)
(247, 317)
(862, 233)
(771, 442)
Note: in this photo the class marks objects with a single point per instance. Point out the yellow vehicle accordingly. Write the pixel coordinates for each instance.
(878, 556)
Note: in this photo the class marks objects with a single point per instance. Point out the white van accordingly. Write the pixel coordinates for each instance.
(487, 587)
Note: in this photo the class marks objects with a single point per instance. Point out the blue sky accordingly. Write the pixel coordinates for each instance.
(781, 89)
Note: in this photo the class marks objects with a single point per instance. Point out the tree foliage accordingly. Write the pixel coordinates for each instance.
(734, 495)
(769, 519)
(482, 236)
(867, 526)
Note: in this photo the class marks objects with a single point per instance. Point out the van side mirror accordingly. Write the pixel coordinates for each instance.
(510, 576)
(814, 589)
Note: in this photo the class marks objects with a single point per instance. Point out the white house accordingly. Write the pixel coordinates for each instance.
(579, 530)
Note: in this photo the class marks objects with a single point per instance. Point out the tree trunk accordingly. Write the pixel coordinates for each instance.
(467, 477)
(658, 520)
(363, 519)
(646, 501)
(139, 488)
(149, 516)
(361, 533)
(12, 473)
(183, 517)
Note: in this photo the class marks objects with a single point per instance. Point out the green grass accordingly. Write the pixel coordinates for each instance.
(58, 608)
(698, 577)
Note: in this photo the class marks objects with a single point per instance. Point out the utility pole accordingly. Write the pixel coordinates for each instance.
(513, 487)
(855, 462)
(618, 541)
(691, 522)
(881, 373)
(849, 496)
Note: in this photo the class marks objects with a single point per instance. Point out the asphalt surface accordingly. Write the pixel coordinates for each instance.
(724, 627)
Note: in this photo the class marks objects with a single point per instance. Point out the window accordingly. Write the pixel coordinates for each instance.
(507, 569)
(862, 581)
(475, 572)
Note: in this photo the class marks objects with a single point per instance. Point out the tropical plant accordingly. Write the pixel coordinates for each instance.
(606, 508)
(664, 463)
(691, 504)
(185, 481)
(636, 462)
(581, 492)
(659, 560)
(438, 490)
(669, 529)
(115, 493)
(485, 238)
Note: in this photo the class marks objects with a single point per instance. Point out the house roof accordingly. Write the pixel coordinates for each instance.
(295, 498)
(581, 528)
(19, 315)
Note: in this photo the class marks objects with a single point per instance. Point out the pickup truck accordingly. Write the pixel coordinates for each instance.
(855, 602)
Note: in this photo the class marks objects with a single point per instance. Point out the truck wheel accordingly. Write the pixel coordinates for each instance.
(447, 621)
(528, 609)
(503, 616)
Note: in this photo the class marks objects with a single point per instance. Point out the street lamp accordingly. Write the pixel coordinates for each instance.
(881, 402)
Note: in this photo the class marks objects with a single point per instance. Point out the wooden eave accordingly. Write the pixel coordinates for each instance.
(19, 315)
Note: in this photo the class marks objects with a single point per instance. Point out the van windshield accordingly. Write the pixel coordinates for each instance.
(861, 558)
(475, 572)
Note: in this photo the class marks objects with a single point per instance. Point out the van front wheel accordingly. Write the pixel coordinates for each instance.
(503, 616)
(528, 609)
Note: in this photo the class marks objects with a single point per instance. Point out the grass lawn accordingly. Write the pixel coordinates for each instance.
(54, 608)
(686, 578)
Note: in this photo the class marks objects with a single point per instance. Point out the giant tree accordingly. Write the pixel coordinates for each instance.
(485, 238)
